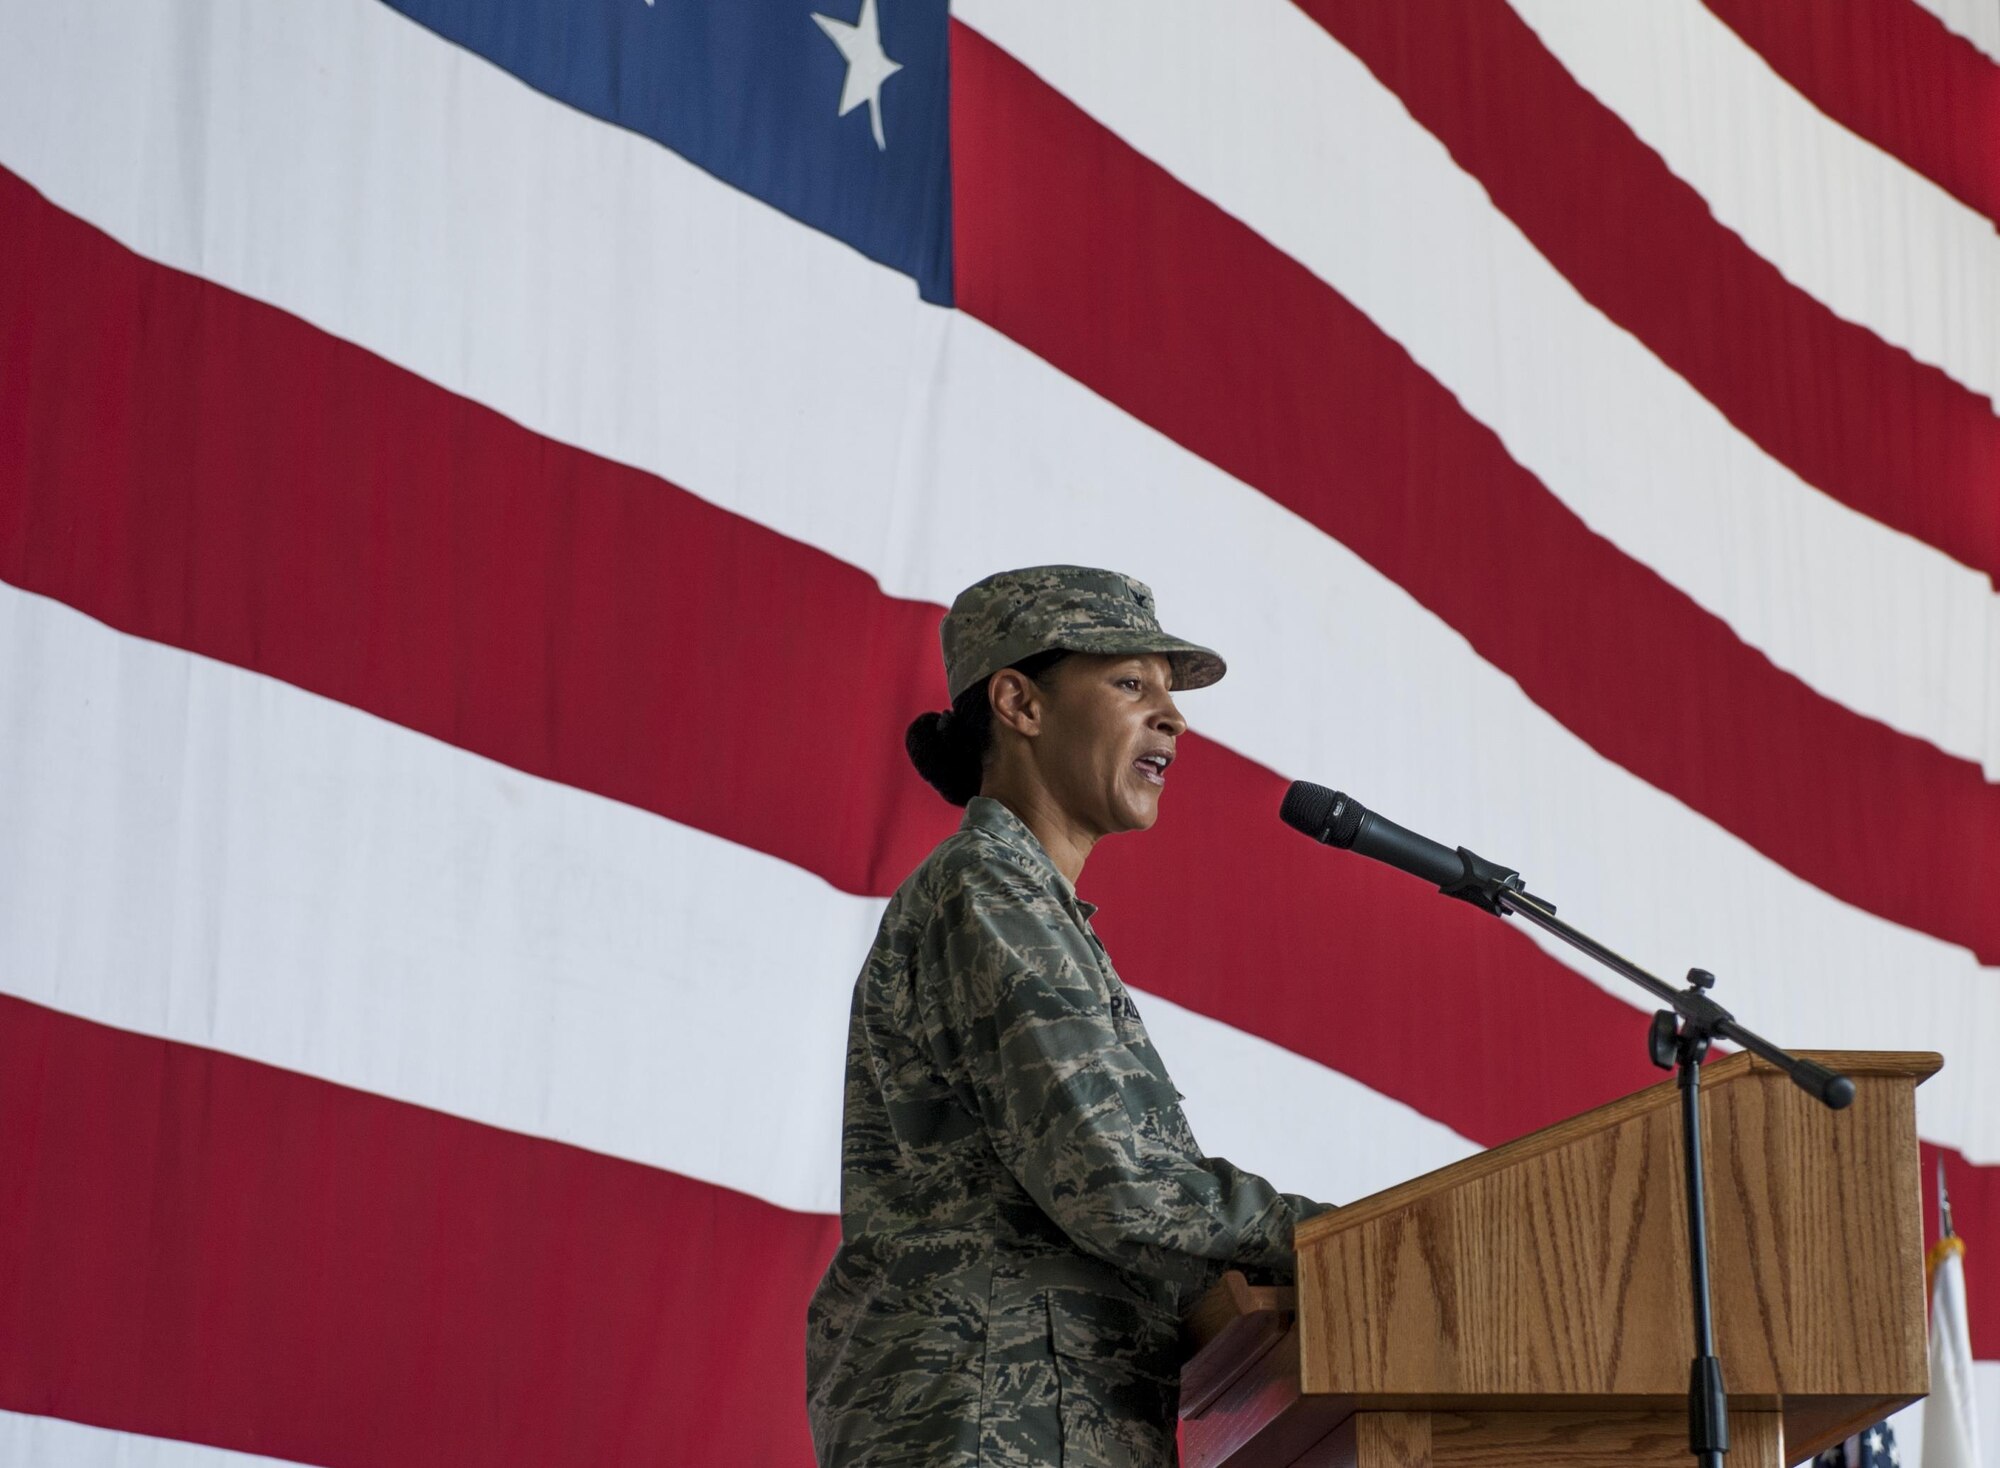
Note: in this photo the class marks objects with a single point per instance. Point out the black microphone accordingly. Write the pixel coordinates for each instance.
(1337, 819)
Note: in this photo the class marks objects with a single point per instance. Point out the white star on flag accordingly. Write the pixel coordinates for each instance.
(867, 65)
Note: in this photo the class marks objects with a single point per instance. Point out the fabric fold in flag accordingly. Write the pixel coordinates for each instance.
(1887, 435)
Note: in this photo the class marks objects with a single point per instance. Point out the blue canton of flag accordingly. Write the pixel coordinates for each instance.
(834, 111)
(1875, 1448)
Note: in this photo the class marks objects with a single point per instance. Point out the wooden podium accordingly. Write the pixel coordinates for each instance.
(1531, 1304)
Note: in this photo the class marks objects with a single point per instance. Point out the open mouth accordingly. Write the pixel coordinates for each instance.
(1153, 767)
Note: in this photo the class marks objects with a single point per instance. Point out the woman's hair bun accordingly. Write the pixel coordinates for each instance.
(942, 748)
(948, 747)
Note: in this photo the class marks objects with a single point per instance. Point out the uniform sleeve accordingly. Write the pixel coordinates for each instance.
(1019, 1018)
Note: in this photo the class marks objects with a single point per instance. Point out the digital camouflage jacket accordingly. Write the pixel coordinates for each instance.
(1024, 1211)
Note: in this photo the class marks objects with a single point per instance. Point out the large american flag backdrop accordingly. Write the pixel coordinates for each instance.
(478, 483)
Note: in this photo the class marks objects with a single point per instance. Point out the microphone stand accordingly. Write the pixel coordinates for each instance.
(1678, 1040)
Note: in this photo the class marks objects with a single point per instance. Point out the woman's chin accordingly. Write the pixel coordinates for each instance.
(1139, 810)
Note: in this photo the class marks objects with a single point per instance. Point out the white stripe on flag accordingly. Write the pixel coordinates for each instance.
(1322, 160)
(1841, 218)
(502, 285)
(203, 854)
(28, 1441)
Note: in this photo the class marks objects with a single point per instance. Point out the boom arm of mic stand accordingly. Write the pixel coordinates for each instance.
(1701, 1012)
(1682, 1046)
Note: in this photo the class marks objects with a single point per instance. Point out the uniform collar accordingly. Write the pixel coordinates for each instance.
(983, 813)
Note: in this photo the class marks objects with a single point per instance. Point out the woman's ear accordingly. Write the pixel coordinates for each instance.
(1017, 702)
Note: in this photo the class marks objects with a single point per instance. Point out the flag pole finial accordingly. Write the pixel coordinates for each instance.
(1945, 1230)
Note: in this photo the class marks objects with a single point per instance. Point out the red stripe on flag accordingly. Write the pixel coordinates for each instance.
(1892, 72)
(1852, 415)
(199, 1247)
(208, 472)
(200, 469)
(186, 464)
(1100, 262)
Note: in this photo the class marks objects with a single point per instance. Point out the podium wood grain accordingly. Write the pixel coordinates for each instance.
(1532, 1302)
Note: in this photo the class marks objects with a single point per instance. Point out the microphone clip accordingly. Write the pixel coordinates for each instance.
(1482, 882)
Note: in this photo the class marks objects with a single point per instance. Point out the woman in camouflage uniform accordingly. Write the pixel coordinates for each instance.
(1024, 1211)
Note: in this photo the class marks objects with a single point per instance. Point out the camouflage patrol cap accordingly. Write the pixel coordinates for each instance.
(1012, 615)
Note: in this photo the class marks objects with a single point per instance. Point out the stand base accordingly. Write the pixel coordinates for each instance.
(1537, 1439)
